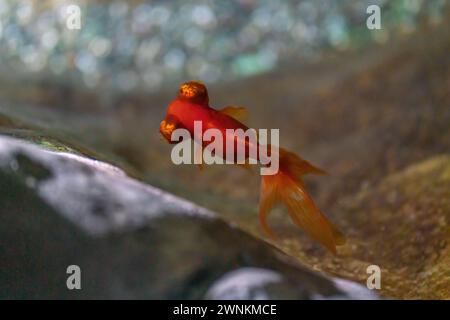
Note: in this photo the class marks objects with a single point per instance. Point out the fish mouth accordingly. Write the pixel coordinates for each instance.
(166, 128)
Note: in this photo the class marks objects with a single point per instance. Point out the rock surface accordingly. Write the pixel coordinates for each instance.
(129, 239)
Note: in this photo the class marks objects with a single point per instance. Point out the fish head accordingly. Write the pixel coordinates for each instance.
(194, 92)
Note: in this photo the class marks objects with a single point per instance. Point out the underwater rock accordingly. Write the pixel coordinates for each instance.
(408, 234)
(130, 240)
(400, 225)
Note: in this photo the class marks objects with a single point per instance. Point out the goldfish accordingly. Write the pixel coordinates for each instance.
(285, 186)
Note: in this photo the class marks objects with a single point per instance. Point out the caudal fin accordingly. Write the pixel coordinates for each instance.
(287, 187)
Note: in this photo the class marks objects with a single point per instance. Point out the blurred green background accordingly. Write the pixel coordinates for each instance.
(125, 46)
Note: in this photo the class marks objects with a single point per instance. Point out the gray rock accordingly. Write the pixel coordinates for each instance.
(130, 240)
(262, 284)
(244, 283)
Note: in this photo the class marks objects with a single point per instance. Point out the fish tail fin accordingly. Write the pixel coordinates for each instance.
(286, 187)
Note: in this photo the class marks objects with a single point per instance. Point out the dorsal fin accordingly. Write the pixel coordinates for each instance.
(238, 113)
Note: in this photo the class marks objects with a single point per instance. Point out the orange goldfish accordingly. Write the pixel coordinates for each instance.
(285, 186)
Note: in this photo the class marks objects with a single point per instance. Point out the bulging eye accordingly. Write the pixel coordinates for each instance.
(194, 91)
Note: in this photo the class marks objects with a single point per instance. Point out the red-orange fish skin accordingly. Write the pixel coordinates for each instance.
(185, 113)
(286, 186)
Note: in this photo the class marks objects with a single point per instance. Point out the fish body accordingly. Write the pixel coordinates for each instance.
(285, 187)
(182, 113)
(186, 113)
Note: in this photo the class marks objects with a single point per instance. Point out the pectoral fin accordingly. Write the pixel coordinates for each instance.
(198, 154)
